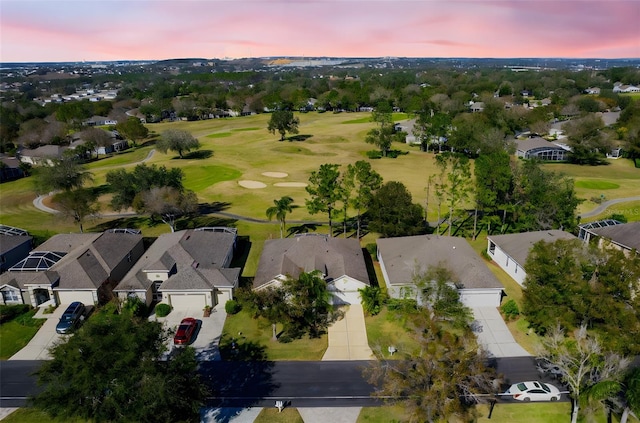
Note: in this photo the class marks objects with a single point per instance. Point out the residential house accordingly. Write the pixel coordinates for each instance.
(402, 259)
(73, 267)
(99, 121)
(624, 236)
(185, 269)
(340, 261)
(41, 155)
(476, 107)
(10, 169)
(510, 251)
(539, 148)
(592, 91)
(619, 87)
(15, 245)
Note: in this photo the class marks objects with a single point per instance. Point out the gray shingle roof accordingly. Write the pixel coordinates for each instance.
(517, 246)
(403, 257)
(196, 255)
(627, 234)
(334, 257)
(535, 142)
(9, 242)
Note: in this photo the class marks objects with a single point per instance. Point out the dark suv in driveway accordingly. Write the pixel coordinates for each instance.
(70, 318)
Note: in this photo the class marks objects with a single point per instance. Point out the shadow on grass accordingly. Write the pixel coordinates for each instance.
(305, 228)
(133, 222)
(216, 206)
(197, 155)
(299, 137)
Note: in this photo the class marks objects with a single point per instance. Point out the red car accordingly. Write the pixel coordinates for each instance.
(185, 331)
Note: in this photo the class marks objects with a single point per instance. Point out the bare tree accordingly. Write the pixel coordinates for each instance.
(582, 363)
(168, 203)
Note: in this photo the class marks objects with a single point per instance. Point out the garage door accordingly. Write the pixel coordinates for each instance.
(67, 297)
(187, 301)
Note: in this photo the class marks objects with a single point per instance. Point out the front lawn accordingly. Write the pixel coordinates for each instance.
(271, 415)
(252, 339)
(17, 333)
(387, 329)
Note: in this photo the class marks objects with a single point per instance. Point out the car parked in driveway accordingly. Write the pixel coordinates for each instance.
(185, 332)
(71, 318)
(534, 391)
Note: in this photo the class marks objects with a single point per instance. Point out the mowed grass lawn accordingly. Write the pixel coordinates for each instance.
(17, 333)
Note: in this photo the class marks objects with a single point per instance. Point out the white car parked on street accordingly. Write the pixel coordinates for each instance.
(533, 391)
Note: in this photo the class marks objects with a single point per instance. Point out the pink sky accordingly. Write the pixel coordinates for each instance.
(53, 30)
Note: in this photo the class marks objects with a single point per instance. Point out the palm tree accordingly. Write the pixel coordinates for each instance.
(280, 209)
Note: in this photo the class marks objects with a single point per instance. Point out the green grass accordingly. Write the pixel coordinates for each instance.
(246, 129)
(17, 333)
(384, 414)
(32, 415)
(258, 332)
(219, 135)
(386, 329)
(630, 210)
(200, 177)
(271, 415)
(601, 185)
(366, 119)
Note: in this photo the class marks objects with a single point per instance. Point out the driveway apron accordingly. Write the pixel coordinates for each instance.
(494, 335)
(348, 337)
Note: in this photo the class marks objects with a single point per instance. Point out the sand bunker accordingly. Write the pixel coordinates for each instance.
(290, 184)
(275, 174)
(252, 184)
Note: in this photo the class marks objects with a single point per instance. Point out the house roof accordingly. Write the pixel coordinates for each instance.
(517, 246)
(44, 151)
(535, 142)
(87, 259)
(334, 257)
(9, 242)
(626, 235)
(193, 253)
(403, 257)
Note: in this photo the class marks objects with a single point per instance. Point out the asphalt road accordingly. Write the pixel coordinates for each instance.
(259, 384)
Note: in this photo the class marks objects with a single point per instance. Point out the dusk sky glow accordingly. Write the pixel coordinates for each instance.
(95, 30)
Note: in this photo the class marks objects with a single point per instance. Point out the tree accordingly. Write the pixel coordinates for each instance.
(95, 138)
(382, 136)
(430, 127)
(589, 145)
(283, 121)
(279, 210)
(442, 382)
(110, 370)
(168, 203)
(309, 308)
(132, 129)
(324, 189)
(631, 394)
(178, 141)
(271, 304)
(569, 284)
(458, 180)
(77, 204)
(393, 213)
(61, 174)
(127, 185)
(364, 181)
(581, 361)
(440, 297)
(493, 181)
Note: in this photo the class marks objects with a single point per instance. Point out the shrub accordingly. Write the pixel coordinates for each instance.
(10, 312)
(372, 248)
(374, 154)
(135, 307)
(50, 309)
(372, 300)
(402, 305)
(510, 309)
(163, 309)
(232, 307)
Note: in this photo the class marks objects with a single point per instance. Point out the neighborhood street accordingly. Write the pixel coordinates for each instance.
(259, 384)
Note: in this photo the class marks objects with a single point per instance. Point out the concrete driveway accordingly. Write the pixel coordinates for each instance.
(45, 338)
(493, 333)
(348, 337)
(207, 338)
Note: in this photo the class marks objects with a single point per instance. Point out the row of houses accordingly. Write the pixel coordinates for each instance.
(193, 268)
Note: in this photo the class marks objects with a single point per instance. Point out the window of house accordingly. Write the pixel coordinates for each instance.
(10, 296)
(492, 247)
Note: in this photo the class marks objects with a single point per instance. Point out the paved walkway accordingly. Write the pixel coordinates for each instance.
(309, 415)
(38, 346)
(348, 337)
(493, 333)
